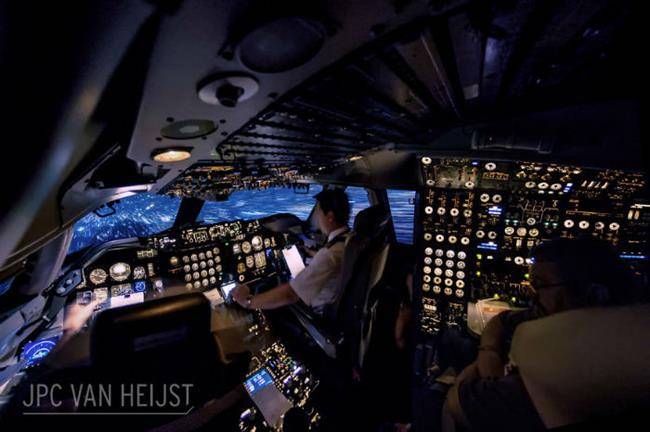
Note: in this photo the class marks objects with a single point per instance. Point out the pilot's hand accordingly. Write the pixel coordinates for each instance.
(308, 251)
(76, 316)
(240, 293)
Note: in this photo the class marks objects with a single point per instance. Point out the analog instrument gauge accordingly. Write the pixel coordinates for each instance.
(246, 247)
(98, 276)
(267, 242)
(236, 248)
(241, 268)
(139, 273)
(257, 243)
(260, 260)
(120, 271)
(250, 261)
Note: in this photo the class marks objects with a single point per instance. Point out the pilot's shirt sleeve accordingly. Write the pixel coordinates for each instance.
(316, 284)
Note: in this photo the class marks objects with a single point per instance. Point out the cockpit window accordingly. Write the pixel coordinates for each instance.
(358, 201)
(254, 204)
(5, 285)
(135, 216)
(402, 209)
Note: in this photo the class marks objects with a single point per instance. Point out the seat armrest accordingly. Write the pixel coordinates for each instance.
(313, 324)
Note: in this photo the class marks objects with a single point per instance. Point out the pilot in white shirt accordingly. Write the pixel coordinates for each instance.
(317, 284)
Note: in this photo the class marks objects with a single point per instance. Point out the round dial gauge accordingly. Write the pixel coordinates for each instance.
(98, 276)
(139, 273)
(257, 242)
(246, 247)
(120, 271)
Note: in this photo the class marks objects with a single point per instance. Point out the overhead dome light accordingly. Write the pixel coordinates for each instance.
(171, 155)
(282, 44)
(188, 129)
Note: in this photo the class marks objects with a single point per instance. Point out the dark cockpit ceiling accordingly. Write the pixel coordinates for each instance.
(549, 80)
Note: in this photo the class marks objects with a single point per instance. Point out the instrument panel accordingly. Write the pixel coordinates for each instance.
(479, 221)
(199, 257)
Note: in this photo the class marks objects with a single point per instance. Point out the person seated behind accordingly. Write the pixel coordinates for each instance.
(566, 274)
(317, 284)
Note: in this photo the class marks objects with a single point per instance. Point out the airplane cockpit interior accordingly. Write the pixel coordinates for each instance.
(369, 215)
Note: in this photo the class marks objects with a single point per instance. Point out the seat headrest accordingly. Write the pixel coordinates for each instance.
(155, 326)
(371, 221)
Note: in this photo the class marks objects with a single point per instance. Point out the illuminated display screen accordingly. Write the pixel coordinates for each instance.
(34, 352)
(258, 381)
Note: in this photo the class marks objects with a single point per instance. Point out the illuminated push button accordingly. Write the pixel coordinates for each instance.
(497, 198)
(448, 291)
(211, 271)
(460, 264)
(449, 263)
(428, 210)
(484, 198)
(519, 260)
(614, 226)
(194, 257)
(583, 224)
(449, 282)
(460, 293)
(196, 275)
(492, 235)
(533, 232)
(480, 234)
(426, 287)
(210, 263)
(186, 259)
(452, 239)
(428, 260)
(426, 278)
(450, 253)
(428, 251)
(173, 261)
(460, 274)
(509, 230)
(531, 221)
(201, 256)
(437, 271)
(460, 284)
(449, 273)
(187, 268)
(195, 266)
(202, 264)
(454, 212)
(205, 282)
(438, 262)
(208, 254)
(437, 280)
(215, 250)
(464, 241)
(426, 269)
(213, 280)
(599, 225)
(436, 289)
(440, 238)
(462, 255)
(521, 231)
(197, 284)
(467, 213)
(441, 211)
(568, 223)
